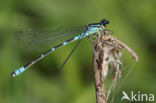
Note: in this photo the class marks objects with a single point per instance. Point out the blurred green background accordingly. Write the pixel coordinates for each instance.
(133, 22)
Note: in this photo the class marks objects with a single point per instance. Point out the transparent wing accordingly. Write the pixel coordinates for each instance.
(42, 38)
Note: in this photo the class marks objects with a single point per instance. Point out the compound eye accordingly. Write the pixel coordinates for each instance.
(104, 21)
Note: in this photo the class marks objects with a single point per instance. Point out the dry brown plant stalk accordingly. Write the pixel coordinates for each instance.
(107, 51)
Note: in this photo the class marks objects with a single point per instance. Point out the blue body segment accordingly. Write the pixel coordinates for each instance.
(89, 30)
(52, 49)
(76, 37)
(17, 72)
(64, 43)
(21, 69)
(92, 30)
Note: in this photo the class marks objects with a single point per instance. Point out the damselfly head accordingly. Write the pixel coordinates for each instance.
(104, 22)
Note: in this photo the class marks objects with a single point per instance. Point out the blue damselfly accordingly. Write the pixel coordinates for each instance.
(89, 30)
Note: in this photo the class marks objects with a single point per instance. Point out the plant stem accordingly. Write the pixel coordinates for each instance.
(107, 52)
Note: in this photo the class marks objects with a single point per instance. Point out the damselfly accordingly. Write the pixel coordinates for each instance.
(89, 30)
